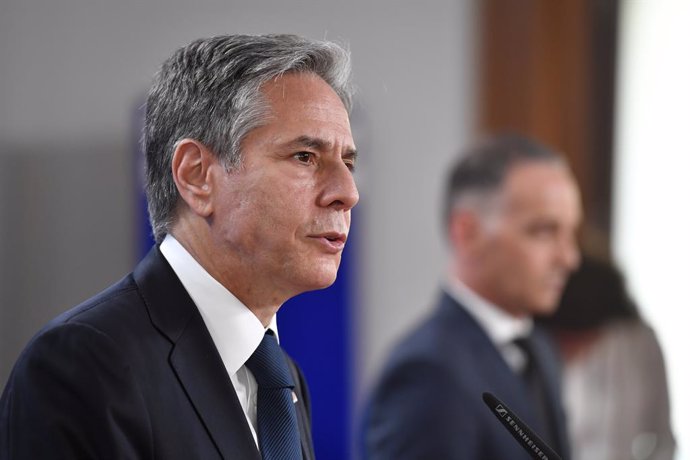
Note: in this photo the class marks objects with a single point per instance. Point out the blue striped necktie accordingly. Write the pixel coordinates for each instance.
(278, 432)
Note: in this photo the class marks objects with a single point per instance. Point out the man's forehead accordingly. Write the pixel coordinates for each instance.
(543, 185)
(304, 111)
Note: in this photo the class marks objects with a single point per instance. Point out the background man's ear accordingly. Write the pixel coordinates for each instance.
(464, 228)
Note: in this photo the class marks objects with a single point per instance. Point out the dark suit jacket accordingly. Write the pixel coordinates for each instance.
(428, 403)
(130, 374)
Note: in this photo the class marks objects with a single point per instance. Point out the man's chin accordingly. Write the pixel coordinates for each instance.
(546, 308)
(320, 279)
(326, 280)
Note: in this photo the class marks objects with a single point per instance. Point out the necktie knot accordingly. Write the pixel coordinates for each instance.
(269, 366)
(525, 346)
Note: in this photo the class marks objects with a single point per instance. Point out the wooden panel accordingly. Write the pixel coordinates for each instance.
(547, 71)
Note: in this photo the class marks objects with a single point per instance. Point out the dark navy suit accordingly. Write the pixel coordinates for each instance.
(428, 403)
(130, 374)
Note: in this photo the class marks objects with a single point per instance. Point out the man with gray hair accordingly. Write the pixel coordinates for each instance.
(249, 160)
(511, 213)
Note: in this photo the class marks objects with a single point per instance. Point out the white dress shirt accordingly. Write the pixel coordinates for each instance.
(235, 330)
(501, 327)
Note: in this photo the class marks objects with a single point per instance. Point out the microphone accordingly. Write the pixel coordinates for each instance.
(527, 438)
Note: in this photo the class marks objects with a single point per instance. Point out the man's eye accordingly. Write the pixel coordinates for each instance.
(543, 231)
(350, 165)
(304, 157)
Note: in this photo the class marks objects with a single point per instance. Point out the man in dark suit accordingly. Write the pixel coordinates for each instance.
(250, 187)
(512, 210)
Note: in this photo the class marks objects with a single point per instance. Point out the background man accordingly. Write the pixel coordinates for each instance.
(250, 187)
(512, 210)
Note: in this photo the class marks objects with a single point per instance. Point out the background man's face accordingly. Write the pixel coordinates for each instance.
(529, 248)
(285, 213)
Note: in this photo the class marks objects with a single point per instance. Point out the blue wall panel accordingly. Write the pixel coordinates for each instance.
(316, 330)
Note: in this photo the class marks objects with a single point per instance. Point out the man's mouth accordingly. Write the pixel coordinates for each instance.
(332, 242)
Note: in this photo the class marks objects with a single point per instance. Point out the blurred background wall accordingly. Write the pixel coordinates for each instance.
(651, 216)
(431, 78)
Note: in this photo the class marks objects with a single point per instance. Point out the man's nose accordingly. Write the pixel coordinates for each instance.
(569, 252)
(339, 188)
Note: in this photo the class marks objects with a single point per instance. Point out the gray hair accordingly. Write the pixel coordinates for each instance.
(210, 91)
(481, 171)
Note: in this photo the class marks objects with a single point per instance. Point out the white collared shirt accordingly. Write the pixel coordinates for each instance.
(235, 330)
(501, 327)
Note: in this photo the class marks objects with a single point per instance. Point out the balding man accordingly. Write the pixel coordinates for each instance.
(512, 210)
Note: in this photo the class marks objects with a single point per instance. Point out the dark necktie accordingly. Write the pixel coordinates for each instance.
(278, 433)
(533, 376)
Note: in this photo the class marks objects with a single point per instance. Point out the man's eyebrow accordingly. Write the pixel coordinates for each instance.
(311, 142)
(321, 144)
(350, 154)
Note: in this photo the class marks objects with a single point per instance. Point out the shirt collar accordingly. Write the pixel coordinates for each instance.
(501, 327)
(235, 330)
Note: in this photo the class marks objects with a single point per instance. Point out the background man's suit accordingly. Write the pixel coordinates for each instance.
(130, 374)
(428, 404)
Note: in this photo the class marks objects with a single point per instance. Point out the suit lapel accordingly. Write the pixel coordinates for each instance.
(494, 373)
(194, 358)
(201, 372)
(305, 435)
(302, 407)
(499, 378)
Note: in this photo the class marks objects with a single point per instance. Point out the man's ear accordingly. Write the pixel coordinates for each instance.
(191, 170)
(464, 228)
